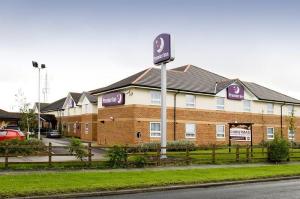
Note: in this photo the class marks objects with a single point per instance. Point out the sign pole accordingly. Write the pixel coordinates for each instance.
(163, 110)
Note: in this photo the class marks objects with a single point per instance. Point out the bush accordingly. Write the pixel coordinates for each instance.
(278, 150)
(117, 157)
(139, 161)
(172, 146)
(77, 148)
(26, 147)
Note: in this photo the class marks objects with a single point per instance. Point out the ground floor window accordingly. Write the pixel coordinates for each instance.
(220, 131)
(190, 130)
(155, 130)
(291, 134)
(86, 128)
(270, 133)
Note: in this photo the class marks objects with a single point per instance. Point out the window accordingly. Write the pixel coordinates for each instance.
(86, 128)
(220, 131)
(220, 103)
(247, 105)
(190, 131)
(270, 108)
(270, 133)
(155, 97)
(155, 129)
(74, 127)
(190, 100)
(290, 109)
(291, 134)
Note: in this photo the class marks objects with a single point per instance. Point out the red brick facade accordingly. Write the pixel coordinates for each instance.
(119, 124)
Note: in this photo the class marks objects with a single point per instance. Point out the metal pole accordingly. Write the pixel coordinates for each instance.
(163, 116)
(39, 112)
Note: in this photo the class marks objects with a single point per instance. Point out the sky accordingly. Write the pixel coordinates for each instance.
(89, 44)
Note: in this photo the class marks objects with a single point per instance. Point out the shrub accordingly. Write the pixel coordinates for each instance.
(26, 147)
(77, 148)
(117, 157)
(181, 145)
(278, 150)
(139, 161)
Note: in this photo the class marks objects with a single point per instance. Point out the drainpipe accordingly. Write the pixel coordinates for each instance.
(281, 119)
(174, 116)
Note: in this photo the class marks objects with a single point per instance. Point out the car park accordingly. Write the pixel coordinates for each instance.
(11, 134)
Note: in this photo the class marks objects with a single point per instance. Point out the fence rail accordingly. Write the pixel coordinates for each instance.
(177, 156)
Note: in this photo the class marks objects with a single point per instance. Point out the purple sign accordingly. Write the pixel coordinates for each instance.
(113, 99)
(162, 49)
(235, 92)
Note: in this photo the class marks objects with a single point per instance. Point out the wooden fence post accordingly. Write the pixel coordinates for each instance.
(126, 157)
(213, 154)
(90, 153)
(248, 155)
(158, 156)
(237, 157)
(50, 154)
(187, 155)
(6, 156)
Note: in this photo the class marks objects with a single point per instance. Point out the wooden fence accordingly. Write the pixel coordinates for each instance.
(175, 156)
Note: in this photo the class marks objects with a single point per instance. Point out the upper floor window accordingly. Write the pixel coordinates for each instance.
(190, 100)
(247, 105)
(290, 109)
(220, 103)
(270, 108)
(155, 97)
(85, 108)
(220, 131)
(86, 128)
(190, 130)
(155, 129)
(270, 133)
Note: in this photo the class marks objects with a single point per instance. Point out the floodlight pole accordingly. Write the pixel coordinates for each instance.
(163, 114)
(39, 111)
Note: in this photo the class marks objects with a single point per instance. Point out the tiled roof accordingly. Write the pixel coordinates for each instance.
(193, 79)
(57, 105)
(75, 96)
(90, 97)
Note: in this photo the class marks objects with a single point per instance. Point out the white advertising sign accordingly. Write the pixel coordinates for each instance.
(240, 134)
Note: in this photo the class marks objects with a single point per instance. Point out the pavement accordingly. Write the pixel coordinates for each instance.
(59, 147)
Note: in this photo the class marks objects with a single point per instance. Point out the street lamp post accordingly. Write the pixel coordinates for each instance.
(36, 65)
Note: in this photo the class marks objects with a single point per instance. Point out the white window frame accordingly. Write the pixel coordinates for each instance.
(86, 128)
(191, 134)
(269, 111)
(155, 100)
(247, 108)
(188, 103)
(291, 136)
(86, 108)
(218, 133)
(154, 134)
(290, 109)
(220, 106)
(273, 133)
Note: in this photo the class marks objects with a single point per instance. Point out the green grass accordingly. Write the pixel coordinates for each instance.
(29, 184)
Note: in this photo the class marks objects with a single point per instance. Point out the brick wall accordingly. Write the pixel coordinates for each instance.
(91, 121)
(119, 125)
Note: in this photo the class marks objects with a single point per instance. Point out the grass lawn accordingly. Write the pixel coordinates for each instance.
(78, 181)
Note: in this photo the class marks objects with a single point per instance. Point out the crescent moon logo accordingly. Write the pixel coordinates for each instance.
(160, 45)
(119, 98)
(237, 90)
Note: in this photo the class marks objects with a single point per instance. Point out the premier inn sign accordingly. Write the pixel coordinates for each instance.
(113, 99)
(235, 92)
(162, 49)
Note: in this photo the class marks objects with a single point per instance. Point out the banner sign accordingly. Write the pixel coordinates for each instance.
(162, 49)
(113, 99)
(240, 134)
(235, 92)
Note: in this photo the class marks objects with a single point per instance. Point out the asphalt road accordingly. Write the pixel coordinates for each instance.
(276, 190)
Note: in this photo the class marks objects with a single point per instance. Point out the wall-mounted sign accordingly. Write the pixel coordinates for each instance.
(162, 49)
(113, 99)
(240, 134)
(235, 92)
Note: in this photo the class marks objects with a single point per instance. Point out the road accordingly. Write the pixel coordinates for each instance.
(268, 190)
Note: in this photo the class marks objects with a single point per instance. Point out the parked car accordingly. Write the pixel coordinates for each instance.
(53, 134)
(14, 127)
(10, 134)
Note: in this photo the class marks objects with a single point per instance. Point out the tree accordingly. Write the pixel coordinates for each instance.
(292, 123)
(28, 119)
